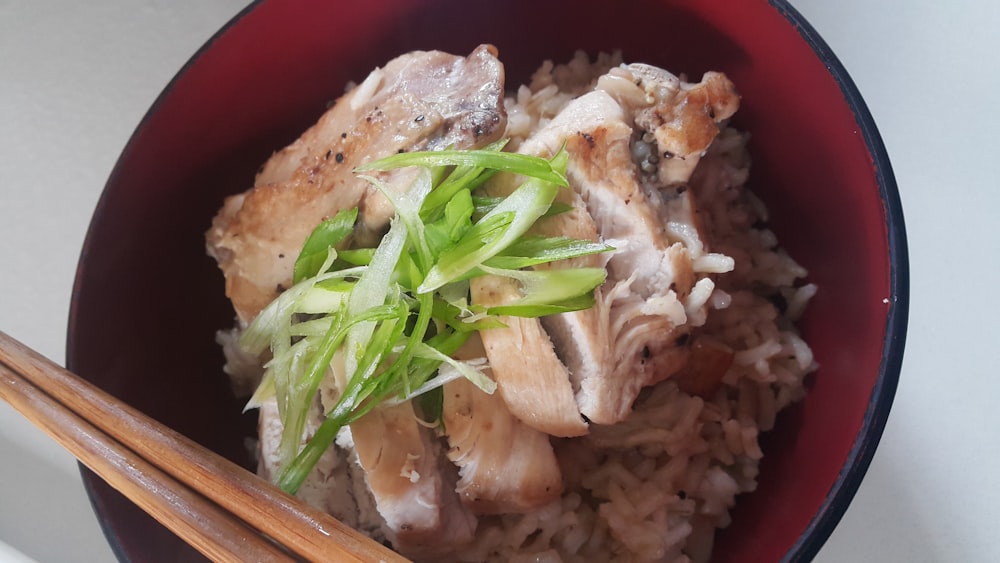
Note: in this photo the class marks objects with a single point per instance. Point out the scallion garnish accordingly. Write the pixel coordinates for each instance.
(397, 313)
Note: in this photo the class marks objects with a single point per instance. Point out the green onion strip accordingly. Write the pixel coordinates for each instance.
(397, 313)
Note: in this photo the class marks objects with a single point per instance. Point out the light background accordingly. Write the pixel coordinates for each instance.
(77, 77)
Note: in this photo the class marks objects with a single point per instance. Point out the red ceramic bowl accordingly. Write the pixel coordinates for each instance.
(147, 299)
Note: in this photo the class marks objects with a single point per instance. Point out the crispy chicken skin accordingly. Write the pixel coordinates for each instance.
(418, 101)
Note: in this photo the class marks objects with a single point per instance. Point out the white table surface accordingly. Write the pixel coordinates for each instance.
(76, 78)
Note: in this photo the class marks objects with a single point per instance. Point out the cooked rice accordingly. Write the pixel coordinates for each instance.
(656, 486)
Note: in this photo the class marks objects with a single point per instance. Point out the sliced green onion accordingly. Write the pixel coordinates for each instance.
(513, 163)
(544, 287)
(497, 230)
(531, 251)
(327, 235)
(399, 312)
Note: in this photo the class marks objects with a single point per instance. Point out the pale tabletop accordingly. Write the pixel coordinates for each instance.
(77, 77)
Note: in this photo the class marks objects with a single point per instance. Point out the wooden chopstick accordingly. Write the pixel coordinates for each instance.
(211, 530)
(306, 531)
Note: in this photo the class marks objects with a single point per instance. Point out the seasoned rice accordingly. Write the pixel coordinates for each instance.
(657, 486)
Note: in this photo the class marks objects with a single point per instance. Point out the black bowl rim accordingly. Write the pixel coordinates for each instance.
(859, 458)
(90, 479)
(880, 401)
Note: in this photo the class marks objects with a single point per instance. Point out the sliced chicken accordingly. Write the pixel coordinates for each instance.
(581, 361)
(386, 477)
(421, 100)
(504, 465)
(330, 486)
(530, 378)
(634, 135)
(414, 497)
(536, 385)
(635, 336)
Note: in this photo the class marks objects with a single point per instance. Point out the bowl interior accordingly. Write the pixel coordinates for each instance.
(147, 299)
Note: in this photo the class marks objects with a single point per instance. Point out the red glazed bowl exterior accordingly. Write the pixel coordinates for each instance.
(147, 300)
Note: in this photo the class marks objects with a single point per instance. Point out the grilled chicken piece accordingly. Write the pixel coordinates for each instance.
(681, 117)
(530, 376)
(532, 380)
(421, 100)
(330, 485)
(504, 465)
(634, 336)
(415, 498)
(392, 483)
(592, 350)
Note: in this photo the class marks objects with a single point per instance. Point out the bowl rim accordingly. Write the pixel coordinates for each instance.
(862, 452)
(91, 481)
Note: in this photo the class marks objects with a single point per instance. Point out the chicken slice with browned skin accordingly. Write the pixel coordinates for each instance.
(329, 485)
(536, 385)
(402, 468)
(504, 465)
(421, 100)
(681, 117)
(532, 380)
(634, 336)
(563, 367)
